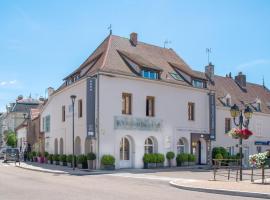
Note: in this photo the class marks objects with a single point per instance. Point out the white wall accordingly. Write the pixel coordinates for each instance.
(171, 106)
(60, 129)
(22, 138)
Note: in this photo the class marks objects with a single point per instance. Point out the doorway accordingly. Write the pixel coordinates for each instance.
(125, 153)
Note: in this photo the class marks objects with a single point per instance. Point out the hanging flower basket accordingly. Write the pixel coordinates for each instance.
(258, 160)
(236, 133)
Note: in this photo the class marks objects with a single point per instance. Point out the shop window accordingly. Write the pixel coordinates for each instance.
(149, 146)
(180, 146)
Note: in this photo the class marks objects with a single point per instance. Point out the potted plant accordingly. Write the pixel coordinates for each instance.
(69, 160)
(34, 155)
(91, 157)
(160, 158)
(149, 161)
(170, 156)
(63, 160)
(191, 159)
(46, 156)
(108, 162)
(50, 159)
(182, 159)
(82, 161)
(56, 159)
(40, 158)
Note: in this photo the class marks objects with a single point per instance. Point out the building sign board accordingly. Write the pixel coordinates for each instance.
(90, 106)
(212, 116)
(265, 143)
(135, 123)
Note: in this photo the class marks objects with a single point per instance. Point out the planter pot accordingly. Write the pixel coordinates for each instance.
(45, 160)
(191, 163)
(185, 164)
(109, 167)
(150, 165)
(91, 164)
(69, 164)
(40, 159)
(63, 163)
(56, 162)
(159, 165)
(49, 162)
(80, 166)
(170, 163)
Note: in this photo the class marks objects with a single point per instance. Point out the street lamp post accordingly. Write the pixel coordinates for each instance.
(236, 112)
(73, 97)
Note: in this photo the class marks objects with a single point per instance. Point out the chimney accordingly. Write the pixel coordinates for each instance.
(240, 79)
(41, 99)
(134, 38)
(210, 70)
(50, 91)
(20, 97)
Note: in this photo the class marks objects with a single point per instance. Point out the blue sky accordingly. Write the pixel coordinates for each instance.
(43, 41)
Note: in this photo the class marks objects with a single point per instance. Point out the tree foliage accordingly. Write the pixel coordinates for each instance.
(11, 139)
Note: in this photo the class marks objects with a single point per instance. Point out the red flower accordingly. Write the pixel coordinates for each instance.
(246, 133)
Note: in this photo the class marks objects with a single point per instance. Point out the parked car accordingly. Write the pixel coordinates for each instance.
(12, 154)
(2, 152)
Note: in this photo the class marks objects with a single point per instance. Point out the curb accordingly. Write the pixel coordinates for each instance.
(221, 191)
(43, 171)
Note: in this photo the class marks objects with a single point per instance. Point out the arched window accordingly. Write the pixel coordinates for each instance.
(180, 146)
(124, 149)
(149, 145)
(78, 150)
(55, 146)
(61, 146)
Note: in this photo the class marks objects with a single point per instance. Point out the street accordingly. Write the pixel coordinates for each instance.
(16, 183)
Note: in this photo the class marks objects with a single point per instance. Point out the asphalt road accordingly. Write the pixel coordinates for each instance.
(20, 184)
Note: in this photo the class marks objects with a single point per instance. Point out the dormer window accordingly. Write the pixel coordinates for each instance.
(227, 100)
(149, 74)
(198, 83)
(258, 105)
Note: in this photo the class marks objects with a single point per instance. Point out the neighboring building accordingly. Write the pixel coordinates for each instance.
(21, 133)
(132, 98)
(230, 91)
(17, 112)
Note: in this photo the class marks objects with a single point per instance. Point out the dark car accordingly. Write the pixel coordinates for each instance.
(2, 153)
(12, 154)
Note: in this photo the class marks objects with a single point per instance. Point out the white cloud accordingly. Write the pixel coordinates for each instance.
(7, 83)
(253, 63)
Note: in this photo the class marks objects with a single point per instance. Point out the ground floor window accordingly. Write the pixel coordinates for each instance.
(180, 146)
(124, 149)
(149, 146)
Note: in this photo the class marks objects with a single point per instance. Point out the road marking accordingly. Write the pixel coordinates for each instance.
(150, 177)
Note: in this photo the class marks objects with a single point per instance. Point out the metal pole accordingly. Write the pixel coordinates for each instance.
(241, 148)
(73, 158)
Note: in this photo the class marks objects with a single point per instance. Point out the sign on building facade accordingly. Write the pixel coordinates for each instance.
(212, 116)
(135, 123)
(90, 106)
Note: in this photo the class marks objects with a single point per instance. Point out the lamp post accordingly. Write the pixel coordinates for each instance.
(73, 97)
(235, 113)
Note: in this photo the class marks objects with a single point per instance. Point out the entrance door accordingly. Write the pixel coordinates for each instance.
(125, 157)
(199, 149)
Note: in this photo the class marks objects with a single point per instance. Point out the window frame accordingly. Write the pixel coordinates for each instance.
(126, 106)
(80, 108)
(63, 113)
(228, 124)
(150, 110)
(191, 111)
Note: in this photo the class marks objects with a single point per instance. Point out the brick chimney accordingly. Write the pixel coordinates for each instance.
(210, 70)
(240, 79)
(134, 38)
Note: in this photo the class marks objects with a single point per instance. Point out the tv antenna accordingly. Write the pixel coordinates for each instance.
(166, 42)
(208, 52)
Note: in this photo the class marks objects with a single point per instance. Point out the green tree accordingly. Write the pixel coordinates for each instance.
(11, 139)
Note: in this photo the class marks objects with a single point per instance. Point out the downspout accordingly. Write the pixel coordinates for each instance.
(97, 126)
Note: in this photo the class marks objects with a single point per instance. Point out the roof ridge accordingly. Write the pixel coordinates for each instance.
(106, 52)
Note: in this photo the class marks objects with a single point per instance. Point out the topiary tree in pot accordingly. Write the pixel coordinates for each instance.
(82, 161)
(182, 159)
(69, 160)
(170, 156)
(56, 159)
(149, 161)
(63, 160)
(91, 160)
(108, 162)
(160, 158)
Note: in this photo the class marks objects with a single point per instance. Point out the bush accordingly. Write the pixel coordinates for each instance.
(81, 159)
(107, 160)
(170, 155)
(220, 150)
(34, 154)
(29, 156)
(50, 157)
(63, 158)
(191, 158)
(219, 156)
(46, 154)
(160, 158)
(181, 158)
(69, 158)
(91, 156)
(56, 157)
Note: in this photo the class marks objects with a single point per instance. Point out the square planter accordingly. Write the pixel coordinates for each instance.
(69, 164)
(150, 165)
(91, 164)
(159, 165)
(56, 162)
(185, 164)
(191, 163)
(109, 167)
(80, 166)
(63, 163)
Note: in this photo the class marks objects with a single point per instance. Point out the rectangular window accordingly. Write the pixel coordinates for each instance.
(198, 83)
(227, 125)
(191, 111)
(63, 113)
(149, 74)
(80, 108)
(126, 103)
(47, 123)
(150, 106)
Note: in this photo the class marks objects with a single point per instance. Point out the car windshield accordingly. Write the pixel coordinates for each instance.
(12, 151)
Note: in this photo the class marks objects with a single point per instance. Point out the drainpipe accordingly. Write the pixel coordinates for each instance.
(97, 124)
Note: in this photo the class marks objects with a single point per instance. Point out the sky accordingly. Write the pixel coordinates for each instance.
(43, 41)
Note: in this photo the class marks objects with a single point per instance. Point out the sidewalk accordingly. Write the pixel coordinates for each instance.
(244, 189)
